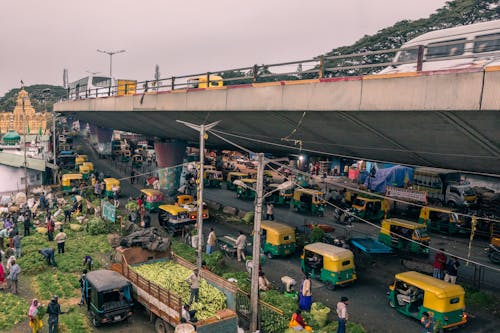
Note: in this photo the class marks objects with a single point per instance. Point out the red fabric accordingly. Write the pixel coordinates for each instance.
(439, 260)
(298, 318)
(2, 274)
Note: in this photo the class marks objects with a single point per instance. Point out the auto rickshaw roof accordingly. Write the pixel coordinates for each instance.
(428, 283)
(72, 176)
(173, 209)
(328, 250)
(82, 156)
(185, 197)
(103, 280)
(309, 191)
(84, 167)
(90, 164)
(111, 181)
(277, 226)
(235, 173)
(404, 223)
(438, 209)
(249, 180)
(368, 199)
(150, 191)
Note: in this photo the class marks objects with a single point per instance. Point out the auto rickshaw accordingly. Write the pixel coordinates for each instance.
(246, 188)
(368, 209)
(308, 201)
(268, 177)
(90, 165)
(137, 161)
(79, 160)
(494, 250)
(442, 220)
(84, 171)
(280, 197)
(174, 218)
(328, 263)
(392, 233)
(70, 182)
(187, 202)
(126, 155)
(112, 185)
(152, 199)
(207, 167)
(277, 239)
(414, 293)
(232, 176)
(212, 178)
(108, 296)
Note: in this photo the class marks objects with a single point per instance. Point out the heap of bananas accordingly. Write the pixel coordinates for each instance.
(172, 276)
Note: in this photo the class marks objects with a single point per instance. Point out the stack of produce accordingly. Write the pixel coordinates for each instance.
(172, 276)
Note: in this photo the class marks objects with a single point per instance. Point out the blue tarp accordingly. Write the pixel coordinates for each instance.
(394, 176)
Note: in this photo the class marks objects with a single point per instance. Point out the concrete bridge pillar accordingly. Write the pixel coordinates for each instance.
(104, 136)
(169, 154)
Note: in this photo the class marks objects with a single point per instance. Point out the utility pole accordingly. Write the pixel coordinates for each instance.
(54, 151)
(25, 159)
(254, 291)
(202, 129)
(111, 54)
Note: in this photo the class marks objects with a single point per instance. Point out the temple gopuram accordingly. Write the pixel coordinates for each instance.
(35, 123)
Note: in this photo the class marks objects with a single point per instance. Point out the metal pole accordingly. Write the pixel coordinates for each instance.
(25, 159)
(54, 170)
(110, 66)
(200, 193)
(254, 292)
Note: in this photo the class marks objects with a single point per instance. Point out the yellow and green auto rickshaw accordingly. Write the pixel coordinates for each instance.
(137, 161)
(70, 182)
(90, 165)
(280, 197)
(268, 177)
(277, 239)
(308, 201)
(368, 208)
(397, 234)
(246, 188)
(187, 202)
(212, 178)
(152, 199)
(232, 176)
(111, 185)
(84, 171)
(79, 160)
(328, 263)
(174, 218)
(210, 167)
(414, 293)
(442, 220)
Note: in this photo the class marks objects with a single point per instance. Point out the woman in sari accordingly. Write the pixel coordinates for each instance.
(36, 323)
(2, 276)
(305, 295)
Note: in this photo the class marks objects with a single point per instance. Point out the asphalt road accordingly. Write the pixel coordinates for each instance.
(368, 303)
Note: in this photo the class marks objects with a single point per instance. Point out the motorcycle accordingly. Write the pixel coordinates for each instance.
(343, 217)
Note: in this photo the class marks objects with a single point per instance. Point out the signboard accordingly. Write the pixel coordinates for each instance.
(406, 194)
(108, 211)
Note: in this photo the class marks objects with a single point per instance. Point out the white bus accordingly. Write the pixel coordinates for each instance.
(90, 86)
(469, 46)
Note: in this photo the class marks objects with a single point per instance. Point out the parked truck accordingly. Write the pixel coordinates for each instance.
(444, 186)
(164, 305)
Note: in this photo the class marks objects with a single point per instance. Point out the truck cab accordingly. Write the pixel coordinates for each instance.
(460, 194)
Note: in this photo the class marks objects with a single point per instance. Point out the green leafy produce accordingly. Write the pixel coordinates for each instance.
(97, 226)
(14, 309)
(320, 313)
(74, 321)
(172, 276)
(241, 277)
(132, 206)
(65, 285)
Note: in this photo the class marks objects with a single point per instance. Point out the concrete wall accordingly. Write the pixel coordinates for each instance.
(10, 178)
(457, 90)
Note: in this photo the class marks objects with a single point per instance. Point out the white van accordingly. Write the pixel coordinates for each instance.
(469, 46)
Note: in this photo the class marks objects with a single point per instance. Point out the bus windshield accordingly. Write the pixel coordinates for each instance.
(101, 81)
(408, 55)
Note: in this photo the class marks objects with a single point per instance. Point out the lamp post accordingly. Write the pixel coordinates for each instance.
(24, 143)
(46, 92)
(111, 53)
(202, 129)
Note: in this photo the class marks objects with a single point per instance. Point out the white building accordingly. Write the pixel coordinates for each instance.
(12, 177)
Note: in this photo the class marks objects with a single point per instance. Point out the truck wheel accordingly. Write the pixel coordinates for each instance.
(162, 327)
(95, 322)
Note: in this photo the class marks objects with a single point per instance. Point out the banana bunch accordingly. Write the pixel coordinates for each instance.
(172, 276)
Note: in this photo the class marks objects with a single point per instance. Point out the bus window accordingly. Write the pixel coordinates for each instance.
(487, 43)
(409, 55)
(101, 81)
(448, 48)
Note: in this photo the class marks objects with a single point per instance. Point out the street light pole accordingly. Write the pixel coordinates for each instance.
(111, 53)
(25, 159)
(54, 151)
(202, 129)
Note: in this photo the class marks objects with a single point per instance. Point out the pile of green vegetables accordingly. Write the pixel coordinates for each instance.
(13, 310)
(172, 276)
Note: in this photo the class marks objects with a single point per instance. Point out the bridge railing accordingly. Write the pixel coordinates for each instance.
(337, 65)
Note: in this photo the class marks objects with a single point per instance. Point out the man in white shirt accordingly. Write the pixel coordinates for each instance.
(342, 314)
(194, 281)
(241, 243)
(211, 241)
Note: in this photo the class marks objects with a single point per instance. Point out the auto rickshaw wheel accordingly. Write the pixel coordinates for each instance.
(270, 255)
(391, 303)
(331, 286)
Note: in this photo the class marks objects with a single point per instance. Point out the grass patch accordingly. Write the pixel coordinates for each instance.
(65, 285)
(13, 309)
(75, 321)
(483, 300)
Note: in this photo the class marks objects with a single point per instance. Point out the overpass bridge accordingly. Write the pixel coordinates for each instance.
(448, 119)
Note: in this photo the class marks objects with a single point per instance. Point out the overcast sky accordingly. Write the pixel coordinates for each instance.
(40, 38)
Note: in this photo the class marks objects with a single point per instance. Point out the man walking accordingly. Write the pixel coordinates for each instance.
(16, 241)
(60, 239)
(27, 223)
(54, 310)
(241, 243)
(83, 286)
(13, 276)
(269, 211)
(439, 265)
(48, 254)
(194, 281)
(342, 314)
(211, 241)
(452, 270)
